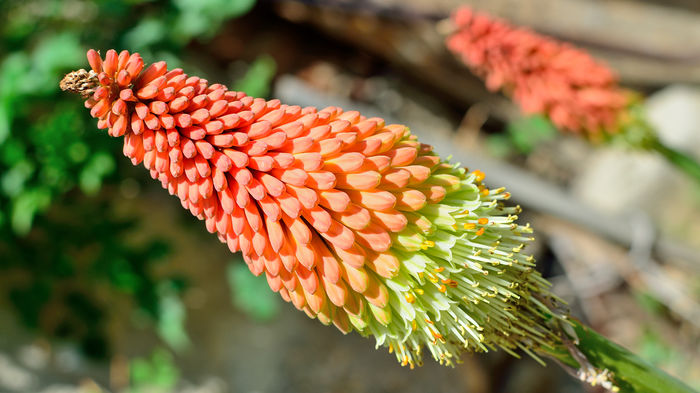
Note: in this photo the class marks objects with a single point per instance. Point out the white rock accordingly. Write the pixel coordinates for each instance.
(675, 113)
(621, 181)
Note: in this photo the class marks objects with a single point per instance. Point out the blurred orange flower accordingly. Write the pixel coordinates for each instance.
(542, 75)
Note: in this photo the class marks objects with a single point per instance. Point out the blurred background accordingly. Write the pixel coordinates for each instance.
(108, 285)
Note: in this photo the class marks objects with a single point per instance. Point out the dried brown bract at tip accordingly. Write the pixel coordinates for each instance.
(81, 82)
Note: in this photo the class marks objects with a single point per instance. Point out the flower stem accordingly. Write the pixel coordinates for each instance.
(681, 160)
(607, 361)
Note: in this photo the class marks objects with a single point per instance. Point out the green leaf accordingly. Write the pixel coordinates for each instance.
(58, 52)
(256, 81)
(648, 302)
(5, 119)
(100, 165)
(25, 206)
(148, 32)
(171, 321)
(12, 73)
(159, 372)
(189, 25)
(251, 294)
(499, 145)
(202, 18)
(12, 151)
(631, 373)
(654, 349)
(233, 9)
(527, 132)
(13, 180)
(78, 151)
(122, 276)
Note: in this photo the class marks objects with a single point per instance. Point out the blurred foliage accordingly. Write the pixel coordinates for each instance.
(62, 256)
(522, 136)
(251, 294)
(155, 374)
(257, 79)
(172, 315)
(653, 347)
(63, 276)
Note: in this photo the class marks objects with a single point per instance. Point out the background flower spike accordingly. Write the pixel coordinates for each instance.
(541, 74)
(553, 78)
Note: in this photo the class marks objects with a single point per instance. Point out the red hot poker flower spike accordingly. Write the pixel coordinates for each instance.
(353, 221)
(542, 75)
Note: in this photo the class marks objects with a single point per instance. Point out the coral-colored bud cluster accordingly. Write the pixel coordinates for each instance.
(542, 75)
(291, 188)
(352, 220)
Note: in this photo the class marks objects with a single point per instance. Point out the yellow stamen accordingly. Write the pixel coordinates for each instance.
(410, 298)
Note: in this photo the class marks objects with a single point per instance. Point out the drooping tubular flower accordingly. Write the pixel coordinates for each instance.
(352, 220)
(542, 75)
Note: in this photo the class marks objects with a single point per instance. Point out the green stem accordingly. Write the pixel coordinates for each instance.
(629, 372)
(681, 160)
(638, 133)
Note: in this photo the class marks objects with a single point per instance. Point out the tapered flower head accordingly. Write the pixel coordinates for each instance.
(352, 220)
(542, 75)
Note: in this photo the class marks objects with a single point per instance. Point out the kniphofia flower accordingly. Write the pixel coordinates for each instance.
(542, 75)
(350, 219)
